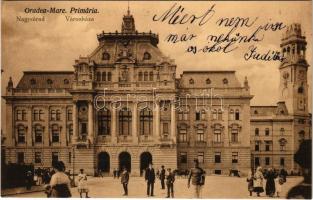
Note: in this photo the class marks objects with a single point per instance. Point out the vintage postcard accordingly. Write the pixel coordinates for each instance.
(163, 99)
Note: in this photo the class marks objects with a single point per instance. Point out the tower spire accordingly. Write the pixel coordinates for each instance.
(128, 25)
(128, 11)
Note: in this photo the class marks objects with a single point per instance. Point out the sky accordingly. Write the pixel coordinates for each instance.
(56, 43)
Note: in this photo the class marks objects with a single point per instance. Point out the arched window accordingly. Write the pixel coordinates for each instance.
(140, 76)
(234, 135)
(104, 122)
(225, 81)
(200, 134)
(208, 81)
(146, 56)
(98, 76)
(231, 114)
(109, 76)
(21, 134)
(217, 135)
(237, 114)
(146, 120)
(38, 133)
(145, 76)
(256, 131)
(151, 76)
(104, 76)
(125, 118)
(220, 114)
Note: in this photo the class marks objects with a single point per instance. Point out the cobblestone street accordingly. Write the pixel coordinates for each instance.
(215, 187)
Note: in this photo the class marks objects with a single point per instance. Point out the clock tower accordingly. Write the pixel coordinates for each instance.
(293, 72)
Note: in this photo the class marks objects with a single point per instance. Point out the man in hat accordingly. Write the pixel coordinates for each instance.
(150, 179)
(162, 177)
(197, 177)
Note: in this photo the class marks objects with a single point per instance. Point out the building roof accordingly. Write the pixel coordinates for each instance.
(46, 79)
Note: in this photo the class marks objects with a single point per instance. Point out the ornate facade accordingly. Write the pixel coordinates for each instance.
(123, 106)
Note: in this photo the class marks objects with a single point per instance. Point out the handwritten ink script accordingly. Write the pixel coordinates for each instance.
(236, 30)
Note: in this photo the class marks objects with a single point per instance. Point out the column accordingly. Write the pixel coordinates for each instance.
(75, 123)
(156, 119)
(173, 122)
(113, 124)
(90, 122)
(134, 123)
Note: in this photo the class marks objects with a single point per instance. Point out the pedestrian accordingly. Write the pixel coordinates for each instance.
(197, 178)
(59, 183)
(114, 173)
(270, 182)
(29, 180)
(162, 177)
(258, 181)
(39, 175)
(279, 181)
(150, 179)
(170, 183)
(125, 180)
(250, 181)
(82, 184)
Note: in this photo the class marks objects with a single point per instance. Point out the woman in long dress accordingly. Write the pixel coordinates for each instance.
(82, 184)
(258, 181)
(270, 183)
(59, 183)
(250, 181)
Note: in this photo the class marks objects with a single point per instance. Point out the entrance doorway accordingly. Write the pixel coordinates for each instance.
(124, 161)
(104, 162)
(145, 159)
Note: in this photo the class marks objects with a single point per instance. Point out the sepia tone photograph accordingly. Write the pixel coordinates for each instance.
(156, 99)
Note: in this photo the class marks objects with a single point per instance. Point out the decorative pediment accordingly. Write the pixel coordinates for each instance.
(234, 126)
(217, 126)
(183, 126)
(282, 141)
(200, 126)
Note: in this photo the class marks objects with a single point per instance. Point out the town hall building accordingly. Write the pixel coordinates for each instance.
(123, 105)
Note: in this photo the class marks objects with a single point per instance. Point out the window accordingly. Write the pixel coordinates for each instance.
(282, 131)
(200, 157)
(234, 157)
(21, 134)
(66, 81)
(32, 81)
(55, 133)
(146, 121)
(151, 76)
(217, 136)
(282, 161)
(38, 134)
(109, 76)
(256, 131)
(231, 114)
(237, 115)
(267, 132)
(37, 157)
(234, 135)
(183, 134)
(20, 157)
(70, 130)
(282, 143)
(300, 90)
(200, 135)
(183, 157)
(104, 76)
(69, 157)
(165, 128)
(183, 115)
(98, 76)
(256, 161)
(70, 115)
(219, 114)
(36, 115)
(267, 161)
(255, 112)
(58, 115)
(105, 56)
(55, 157)
(140, 76)
(21, 115)
(268, 145)
(125, 118)
(145, 76)
(217, 157)
(198, 115)
(146, 56)
(225, 81)
(203, 115)
(104, 122)
(217, 171)
(53, 115)
(208, 81)
(214, 114)
(257, 146)
(191, 81)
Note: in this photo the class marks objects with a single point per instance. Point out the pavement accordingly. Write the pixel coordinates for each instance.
(215, 187)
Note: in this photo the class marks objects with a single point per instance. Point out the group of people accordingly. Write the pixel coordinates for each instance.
(274, 181)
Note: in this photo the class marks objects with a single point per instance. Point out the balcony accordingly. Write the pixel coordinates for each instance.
(146, 138)
(217, 144)
(200, 144)
(104, 138)
(124, 139)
